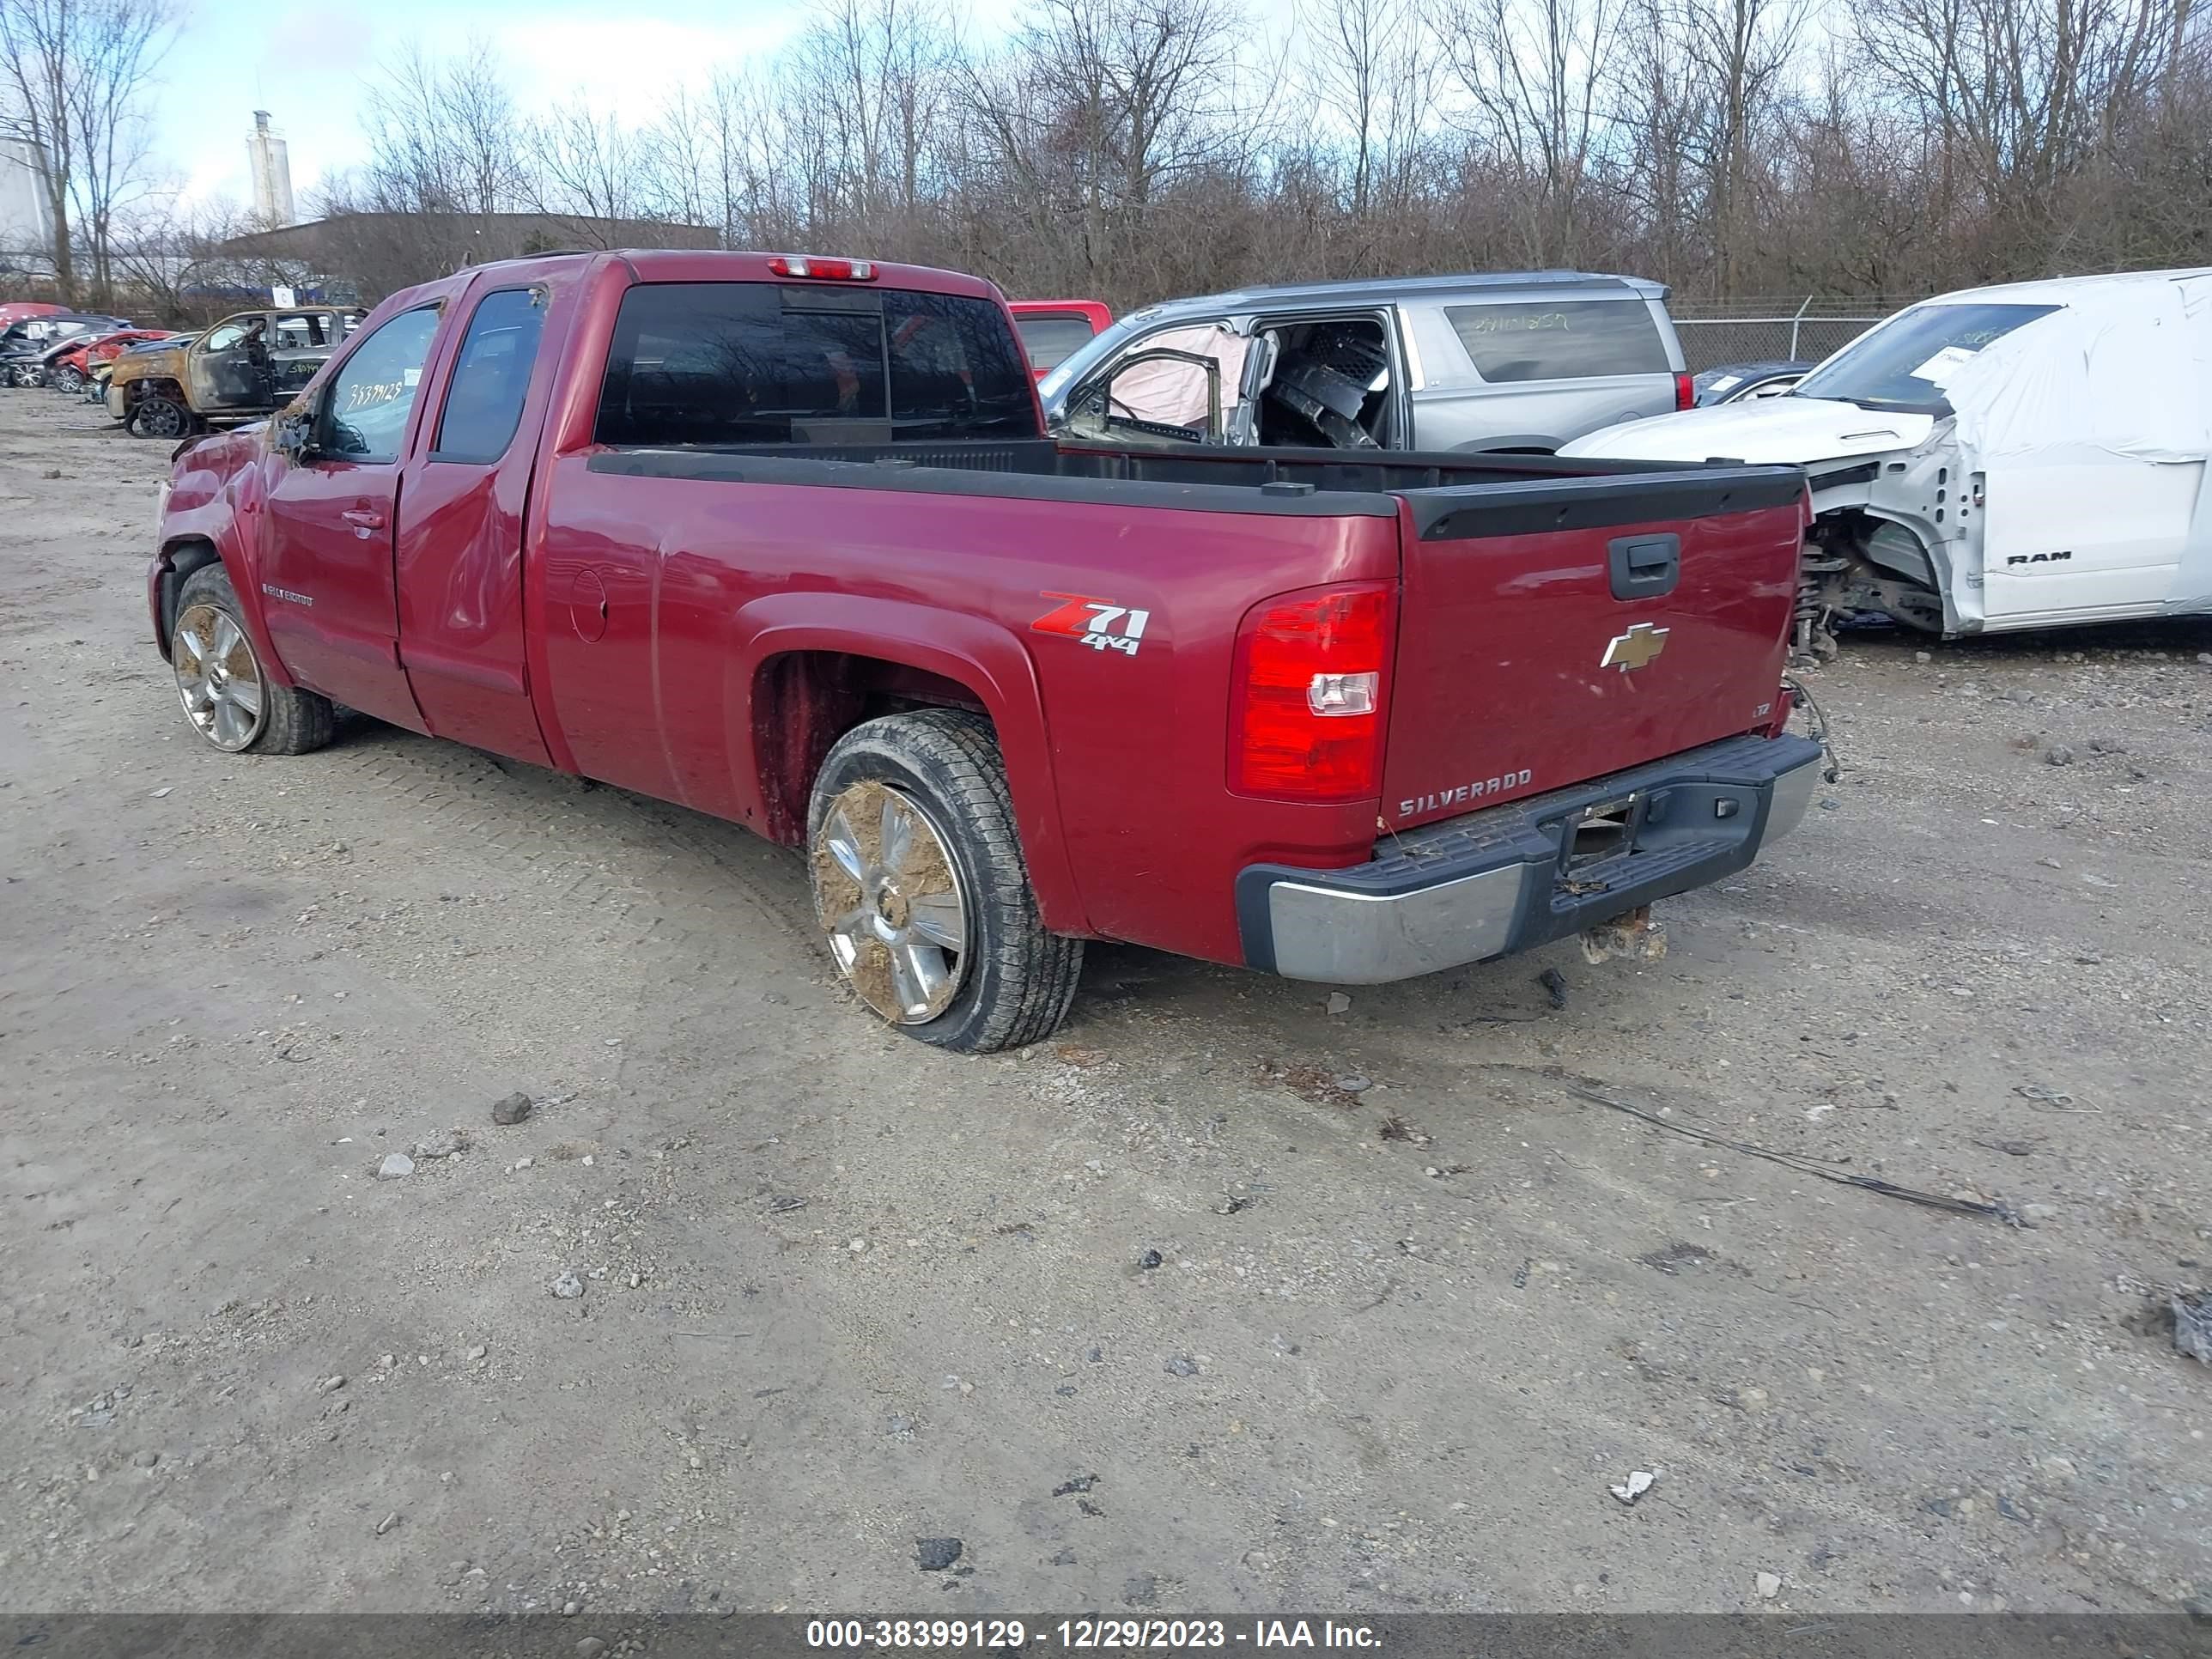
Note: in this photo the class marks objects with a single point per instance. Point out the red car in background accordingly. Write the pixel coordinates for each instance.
(1053, 331)
(70, 370)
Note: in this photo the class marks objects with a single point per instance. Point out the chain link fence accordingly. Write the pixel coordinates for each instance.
(1768, 331)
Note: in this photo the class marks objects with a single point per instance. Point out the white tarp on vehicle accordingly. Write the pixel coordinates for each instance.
(2121, 373)
(2124, 372)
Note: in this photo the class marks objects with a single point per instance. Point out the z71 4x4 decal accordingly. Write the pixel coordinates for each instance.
(1094, 623)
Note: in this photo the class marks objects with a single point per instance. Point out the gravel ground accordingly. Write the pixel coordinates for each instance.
(1171, 1313)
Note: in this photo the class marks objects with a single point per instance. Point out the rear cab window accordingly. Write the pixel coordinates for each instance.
(1051, 338)
(749, 363)
(1560, 339)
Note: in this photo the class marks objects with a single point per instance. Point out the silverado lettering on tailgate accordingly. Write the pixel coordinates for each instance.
(1477, 790)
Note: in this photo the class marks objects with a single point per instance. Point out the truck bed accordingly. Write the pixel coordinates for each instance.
(1513, 613)
(1547, 491)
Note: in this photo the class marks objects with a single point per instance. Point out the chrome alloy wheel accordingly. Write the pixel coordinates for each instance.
(218, 676)
(890, 897)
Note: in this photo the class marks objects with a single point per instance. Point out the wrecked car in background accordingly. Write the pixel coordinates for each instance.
(27, 348)
(95, 386)
(68, 369)
(1739, 383)
(240, 369)
(2032, 455)
(1517, 362)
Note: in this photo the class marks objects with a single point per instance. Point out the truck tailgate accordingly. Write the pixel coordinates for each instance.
(1562, 628)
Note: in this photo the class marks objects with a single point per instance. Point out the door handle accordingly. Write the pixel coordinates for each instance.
(364, 517)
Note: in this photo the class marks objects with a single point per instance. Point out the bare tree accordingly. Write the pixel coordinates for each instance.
(588, 165)
(445, 137)
(1369, 68)
(2023, 96)
(1541, 77)
(1135, 149)
(1105, 117)
(36, 42)
(867, 81)
(120, 45)
(175, 259)
(73, 78)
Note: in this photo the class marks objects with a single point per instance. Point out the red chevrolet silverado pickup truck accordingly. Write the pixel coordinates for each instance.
(782, 539)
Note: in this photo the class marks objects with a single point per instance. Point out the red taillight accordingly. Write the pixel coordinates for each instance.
(1685, 391)
(835, 271)
(1306, 721)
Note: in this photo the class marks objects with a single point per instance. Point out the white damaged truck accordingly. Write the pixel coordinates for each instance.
(2026, 456)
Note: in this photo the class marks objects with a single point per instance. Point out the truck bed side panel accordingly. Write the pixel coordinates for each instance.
(1117, 757)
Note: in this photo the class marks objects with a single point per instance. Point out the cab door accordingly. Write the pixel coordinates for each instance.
(328, 524)
(2085, 537)
(218, 368)
(459, 557)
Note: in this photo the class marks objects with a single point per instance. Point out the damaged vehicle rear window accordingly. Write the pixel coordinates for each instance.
(1560, 339)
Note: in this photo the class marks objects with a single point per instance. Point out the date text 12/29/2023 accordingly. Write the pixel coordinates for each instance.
(1077, 1635)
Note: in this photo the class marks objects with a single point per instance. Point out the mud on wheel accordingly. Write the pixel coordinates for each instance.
(920, 889)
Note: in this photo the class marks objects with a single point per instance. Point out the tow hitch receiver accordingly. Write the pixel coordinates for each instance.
(1632, 934)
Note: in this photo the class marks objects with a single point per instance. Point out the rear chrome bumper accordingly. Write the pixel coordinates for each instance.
(1509, 877)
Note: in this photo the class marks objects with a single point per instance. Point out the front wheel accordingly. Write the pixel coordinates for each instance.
(229, 699)
(68, 379)
(921, 888)
(159, 417)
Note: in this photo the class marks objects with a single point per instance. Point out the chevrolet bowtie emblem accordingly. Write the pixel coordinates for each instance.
(1637, 648)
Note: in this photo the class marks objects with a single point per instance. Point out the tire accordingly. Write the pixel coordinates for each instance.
(161, 417)
(67, 381)
(1010, 981)
(29, 374)
(215, 663)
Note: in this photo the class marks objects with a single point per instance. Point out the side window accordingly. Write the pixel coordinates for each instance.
(297, 332)
(224, 337)
(1560, 340)
(364, 415)
(483, 401)
(1169, 391)
(765, 363)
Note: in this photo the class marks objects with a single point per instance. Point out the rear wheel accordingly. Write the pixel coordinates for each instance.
(229, 699)
(157, 417)
(29, 374)
(920, 887)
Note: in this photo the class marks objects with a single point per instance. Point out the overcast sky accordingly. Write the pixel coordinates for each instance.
(306, 64)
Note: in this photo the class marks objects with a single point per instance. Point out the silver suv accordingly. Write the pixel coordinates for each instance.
(1521, 360)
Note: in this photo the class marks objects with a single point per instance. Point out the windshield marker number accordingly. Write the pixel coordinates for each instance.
(1094, 623)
